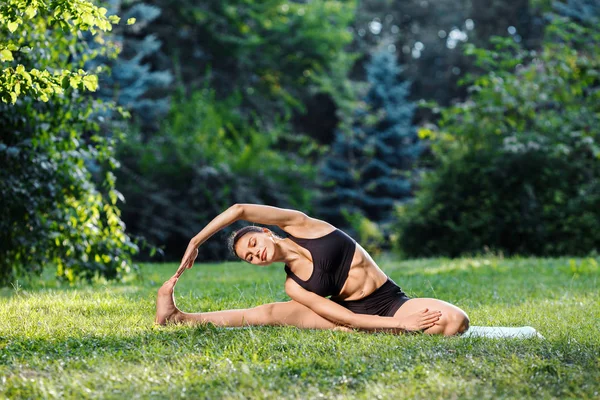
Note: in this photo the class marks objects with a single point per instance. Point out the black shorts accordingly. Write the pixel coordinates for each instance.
(384, 301)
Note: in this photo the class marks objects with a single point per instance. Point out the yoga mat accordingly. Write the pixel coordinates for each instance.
(501, 332)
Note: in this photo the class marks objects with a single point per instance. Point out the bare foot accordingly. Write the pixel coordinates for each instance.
(166, 311)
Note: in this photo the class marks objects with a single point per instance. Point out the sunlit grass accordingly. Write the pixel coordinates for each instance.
(98, 341)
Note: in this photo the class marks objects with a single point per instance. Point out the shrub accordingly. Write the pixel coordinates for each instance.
(206, 158)
(53, 209)
(518, 163)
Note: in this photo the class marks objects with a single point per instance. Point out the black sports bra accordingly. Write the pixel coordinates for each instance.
(332, 255)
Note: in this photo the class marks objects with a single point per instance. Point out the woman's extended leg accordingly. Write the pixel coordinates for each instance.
(453, 321)
(283, 313)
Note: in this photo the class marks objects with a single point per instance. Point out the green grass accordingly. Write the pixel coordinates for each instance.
(98, 341)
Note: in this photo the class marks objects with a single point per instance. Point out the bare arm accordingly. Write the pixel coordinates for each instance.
(226, 218)
(222, 220)
(292, 221)
(334, 312)
(260, 214)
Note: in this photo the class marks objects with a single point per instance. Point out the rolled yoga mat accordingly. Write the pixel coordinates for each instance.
(520, 332)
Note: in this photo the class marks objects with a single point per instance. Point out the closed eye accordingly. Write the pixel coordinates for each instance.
(251, 243)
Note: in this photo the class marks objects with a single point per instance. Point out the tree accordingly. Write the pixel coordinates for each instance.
(367, 172)
(586, 12)
(519, 161)
(244, 69)
(53, 209)
(132, 82)
(181, 179)
(428, 37)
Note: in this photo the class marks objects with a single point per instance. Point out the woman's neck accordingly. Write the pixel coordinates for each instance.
(288, 250)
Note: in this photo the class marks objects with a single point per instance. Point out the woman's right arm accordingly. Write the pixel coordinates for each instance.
(226, 218)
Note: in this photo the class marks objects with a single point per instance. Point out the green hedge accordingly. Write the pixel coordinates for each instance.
(518, 163)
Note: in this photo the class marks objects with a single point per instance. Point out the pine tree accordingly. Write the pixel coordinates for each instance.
(339, 178)
(582, 11)
(367, 170)
(132, 83)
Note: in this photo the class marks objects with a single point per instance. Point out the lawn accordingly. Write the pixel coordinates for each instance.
(98, 340)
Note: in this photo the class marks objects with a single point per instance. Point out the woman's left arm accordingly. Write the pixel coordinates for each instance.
(268, 215)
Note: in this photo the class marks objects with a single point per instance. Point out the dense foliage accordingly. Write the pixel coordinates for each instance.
(282, 102)
(270, 51)
(429, 36)
(53, 210)
(519, 161)
(207, 158)
(133, 83)
(244, 69)
(27, 69)
(366, 172)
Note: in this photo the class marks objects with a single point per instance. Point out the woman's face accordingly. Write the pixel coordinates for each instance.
(256, 248)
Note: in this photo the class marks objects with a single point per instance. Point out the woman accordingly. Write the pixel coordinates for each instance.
(320, 261)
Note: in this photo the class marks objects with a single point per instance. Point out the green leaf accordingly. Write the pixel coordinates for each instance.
(87, 18)
(131, 21)
(90, 82)
(6, 55)
(74, 81)
(12, 26)
(30, 11)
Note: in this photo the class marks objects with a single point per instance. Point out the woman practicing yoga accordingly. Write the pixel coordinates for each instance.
(320, 261)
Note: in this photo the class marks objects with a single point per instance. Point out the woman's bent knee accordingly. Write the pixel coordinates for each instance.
(457, 323)
(464, 324)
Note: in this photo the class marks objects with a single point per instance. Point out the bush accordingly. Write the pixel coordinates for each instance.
(206, 158)
(367, 233)
(53, 209)
(366, 171)
(519, 161)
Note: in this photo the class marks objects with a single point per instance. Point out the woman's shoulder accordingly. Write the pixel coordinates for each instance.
(310, 228)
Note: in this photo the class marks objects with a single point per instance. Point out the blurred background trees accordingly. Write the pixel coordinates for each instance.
(244, 70)
(303, 104)
(518, 162)
(428, 36)
(368, 170)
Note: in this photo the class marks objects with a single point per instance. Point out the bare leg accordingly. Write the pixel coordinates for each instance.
(283, 313)
(453, 321)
